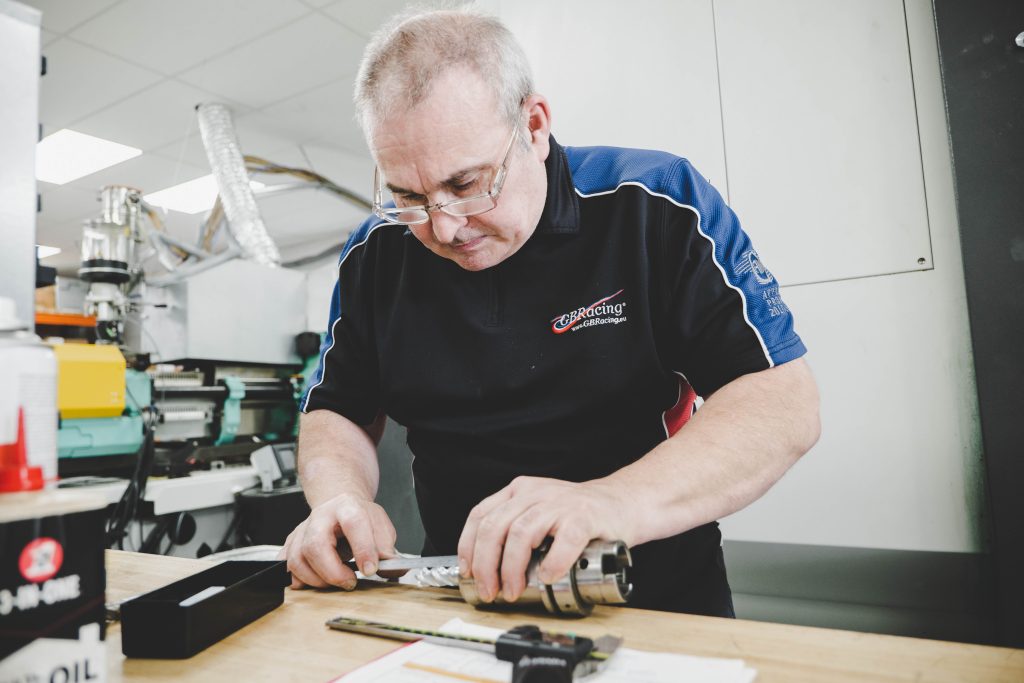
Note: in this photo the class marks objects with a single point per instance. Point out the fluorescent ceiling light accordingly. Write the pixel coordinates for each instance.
(193, 196)
(68, 155)
(42, 251)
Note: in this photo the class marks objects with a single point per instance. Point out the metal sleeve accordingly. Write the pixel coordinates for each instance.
(225, 156)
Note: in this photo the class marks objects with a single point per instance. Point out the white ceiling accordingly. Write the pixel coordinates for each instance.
(132, 71)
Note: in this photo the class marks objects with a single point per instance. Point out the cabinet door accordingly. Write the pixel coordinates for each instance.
(821, 136)
(19, 118)
(639, 74)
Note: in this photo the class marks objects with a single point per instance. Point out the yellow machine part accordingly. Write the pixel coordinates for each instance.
(90, 380)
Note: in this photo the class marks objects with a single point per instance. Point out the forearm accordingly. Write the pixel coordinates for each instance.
(337, 456)
(741, 441)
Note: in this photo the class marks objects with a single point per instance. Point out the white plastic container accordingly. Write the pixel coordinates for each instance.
(28, 378)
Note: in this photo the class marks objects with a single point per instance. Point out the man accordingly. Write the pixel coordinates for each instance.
(536, 315)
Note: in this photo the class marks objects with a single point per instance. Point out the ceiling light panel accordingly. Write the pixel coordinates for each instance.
(193, 196)
(68, 155)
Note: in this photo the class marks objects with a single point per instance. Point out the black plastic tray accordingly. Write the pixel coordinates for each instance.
(155, 625)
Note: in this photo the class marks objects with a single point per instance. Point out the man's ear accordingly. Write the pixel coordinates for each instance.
(538, 121)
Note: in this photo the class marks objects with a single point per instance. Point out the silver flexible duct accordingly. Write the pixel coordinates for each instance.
(225, 156)
(182, 272)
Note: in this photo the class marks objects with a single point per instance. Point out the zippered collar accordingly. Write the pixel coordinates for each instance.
(561, 215)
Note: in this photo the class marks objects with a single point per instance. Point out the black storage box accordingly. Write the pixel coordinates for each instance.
(156, 625)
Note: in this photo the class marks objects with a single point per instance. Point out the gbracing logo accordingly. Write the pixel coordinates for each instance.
(601, 312)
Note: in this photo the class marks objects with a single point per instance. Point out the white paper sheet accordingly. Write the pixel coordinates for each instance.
(429, 663)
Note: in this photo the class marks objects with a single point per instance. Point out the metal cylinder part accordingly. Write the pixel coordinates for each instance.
(119, 205)
(599, 577)
(108, 243)
(106, 252)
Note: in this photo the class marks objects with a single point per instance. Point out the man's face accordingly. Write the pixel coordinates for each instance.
(449, 147)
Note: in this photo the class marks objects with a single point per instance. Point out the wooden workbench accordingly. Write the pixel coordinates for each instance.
(292, 643)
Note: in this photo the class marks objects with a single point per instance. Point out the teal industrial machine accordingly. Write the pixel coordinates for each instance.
(221, 413)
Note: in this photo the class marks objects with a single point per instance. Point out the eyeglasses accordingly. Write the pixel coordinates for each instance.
(466, 206)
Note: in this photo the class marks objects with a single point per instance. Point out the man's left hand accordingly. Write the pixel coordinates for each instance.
(503, 530)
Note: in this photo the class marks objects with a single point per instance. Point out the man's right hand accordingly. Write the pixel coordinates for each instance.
(346, 525)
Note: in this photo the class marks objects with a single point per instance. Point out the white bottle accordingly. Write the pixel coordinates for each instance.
(28, 378)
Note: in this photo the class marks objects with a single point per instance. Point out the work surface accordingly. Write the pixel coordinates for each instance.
(292, 643)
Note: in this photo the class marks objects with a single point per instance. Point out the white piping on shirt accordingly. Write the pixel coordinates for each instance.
(714, 255)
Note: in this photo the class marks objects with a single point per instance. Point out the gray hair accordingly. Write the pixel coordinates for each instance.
(415, 47)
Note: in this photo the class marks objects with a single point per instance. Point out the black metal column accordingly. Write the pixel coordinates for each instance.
(983, 77)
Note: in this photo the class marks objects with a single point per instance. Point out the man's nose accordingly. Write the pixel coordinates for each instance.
(445, 226)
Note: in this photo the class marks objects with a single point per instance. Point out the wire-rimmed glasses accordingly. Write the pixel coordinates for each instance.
(464, 206)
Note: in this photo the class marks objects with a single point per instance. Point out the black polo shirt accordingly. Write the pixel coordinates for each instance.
(570, 359)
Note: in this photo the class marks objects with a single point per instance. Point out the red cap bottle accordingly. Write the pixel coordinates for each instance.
(15, 472)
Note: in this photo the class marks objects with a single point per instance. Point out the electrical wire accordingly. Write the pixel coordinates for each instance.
(255, 164)
(236, 519)
(260, 165)
(158, 223)
(213, 222)
(128, 508)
